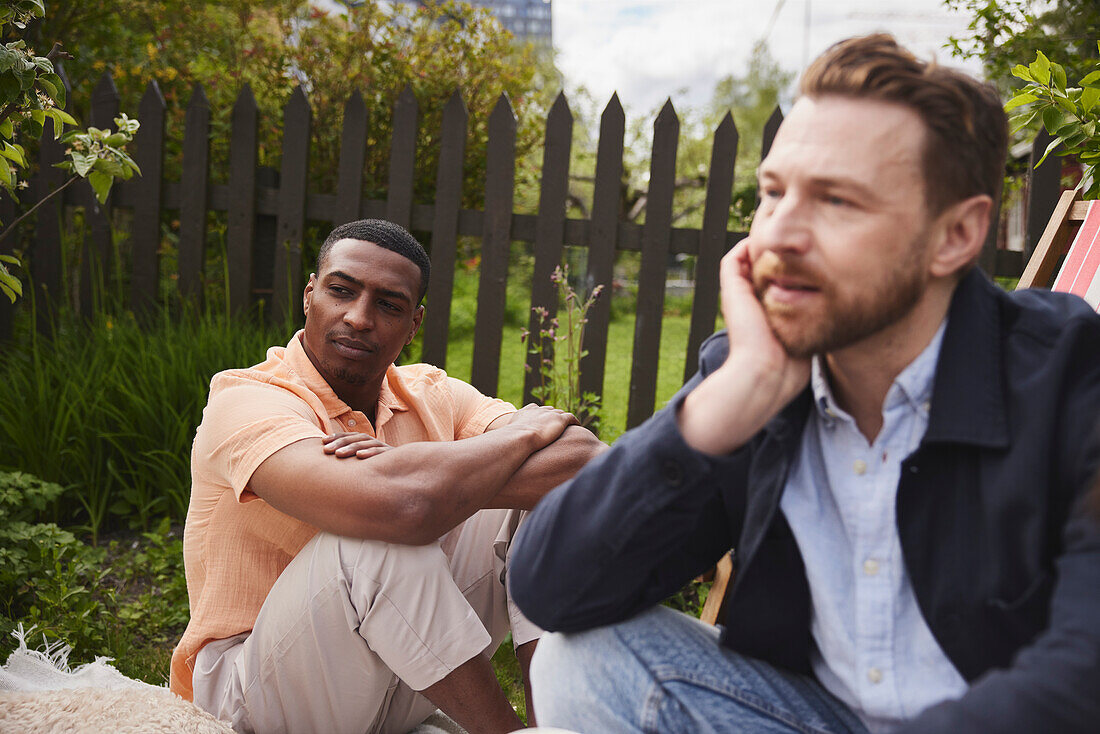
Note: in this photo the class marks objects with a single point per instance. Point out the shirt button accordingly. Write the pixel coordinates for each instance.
(874, 675)
(870, 567)
(860, 466)
(351, 422)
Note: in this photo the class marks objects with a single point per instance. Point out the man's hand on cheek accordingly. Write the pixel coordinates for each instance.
(347, 445)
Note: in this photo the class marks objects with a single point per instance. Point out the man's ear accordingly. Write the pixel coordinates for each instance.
(307, 294)
(418, 317)
(959, 234)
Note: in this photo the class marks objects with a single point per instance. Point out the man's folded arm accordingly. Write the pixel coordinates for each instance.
(546, 468)
(409, 494)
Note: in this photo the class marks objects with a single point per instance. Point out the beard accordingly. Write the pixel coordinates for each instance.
(841, 318)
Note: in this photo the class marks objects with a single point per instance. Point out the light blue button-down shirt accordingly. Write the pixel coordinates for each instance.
(874, 650)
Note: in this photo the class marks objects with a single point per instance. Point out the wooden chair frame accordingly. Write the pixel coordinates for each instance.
(1055, 240)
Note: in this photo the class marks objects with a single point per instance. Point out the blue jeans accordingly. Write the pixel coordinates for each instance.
(664, 671)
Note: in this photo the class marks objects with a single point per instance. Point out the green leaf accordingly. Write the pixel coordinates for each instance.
(9, 259)
(1089, 98)
(1058, 75)
(1053, 144)
(1052, 119)
(1021, 98)
(1090, 78)
(10, 286)
(38, 116)
(101, 183)
(13, 153)
(108, 166)
(58, 85)
(1022, 72)
(1066, 105)
(6, 129)
(1040, 68)
(82, 162)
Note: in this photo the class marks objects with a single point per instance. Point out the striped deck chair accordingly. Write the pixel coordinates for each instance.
(1080, 272)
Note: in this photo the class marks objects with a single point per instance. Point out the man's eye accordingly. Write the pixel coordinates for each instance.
(390, 306)
(339, 290)
(837, 201)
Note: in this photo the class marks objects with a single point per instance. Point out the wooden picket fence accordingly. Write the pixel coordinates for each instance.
(248, 200)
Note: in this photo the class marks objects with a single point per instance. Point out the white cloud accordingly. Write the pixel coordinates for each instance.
(649, 50)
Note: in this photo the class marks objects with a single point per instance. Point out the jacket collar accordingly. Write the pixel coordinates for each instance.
(968, 388)
(968, 397)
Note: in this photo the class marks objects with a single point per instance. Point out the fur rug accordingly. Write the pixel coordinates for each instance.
(95, 710)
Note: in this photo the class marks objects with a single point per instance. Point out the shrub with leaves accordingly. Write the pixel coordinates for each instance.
(1070, 114)
(31, 92)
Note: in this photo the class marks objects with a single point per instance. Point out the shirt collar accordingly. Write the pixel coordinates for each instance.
(299, 362)
(913, 385)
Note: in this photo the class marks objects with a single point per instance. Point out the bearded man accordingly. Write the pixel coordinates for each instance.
(896, 450)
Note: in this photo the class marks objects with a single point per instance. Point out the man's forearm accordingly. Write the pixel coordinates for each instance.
(409, 494)
(549, 467)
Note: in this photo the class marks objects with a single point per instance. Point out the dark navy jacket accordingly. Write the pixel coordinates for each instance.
(1004, 562)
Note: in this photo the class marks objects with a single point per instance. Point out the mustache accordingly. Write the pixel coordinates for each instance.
(771, 268)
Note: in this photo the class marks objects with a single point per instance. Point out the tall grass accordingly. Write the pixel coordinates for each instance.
(108, 410)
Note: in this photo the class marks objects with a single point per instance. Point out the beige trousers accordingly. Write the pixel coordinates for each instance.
(353, 629)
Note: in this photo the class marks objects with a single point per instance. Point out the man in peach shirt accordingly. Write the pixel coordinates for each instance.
(350, 520)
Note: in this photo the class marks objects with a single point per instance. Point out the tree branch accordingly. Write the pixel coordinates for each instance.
(47, 197)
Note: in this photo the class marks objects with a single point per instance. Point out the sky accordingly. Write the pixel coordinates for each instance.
(651, 50)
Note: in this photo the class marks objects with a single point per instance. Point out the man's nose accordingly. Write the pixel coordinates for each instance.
(784, 227)
(359, 316)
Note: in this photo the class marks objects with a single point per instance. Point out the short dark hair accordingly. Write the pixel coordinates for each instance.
(384, 234)
(967, 130)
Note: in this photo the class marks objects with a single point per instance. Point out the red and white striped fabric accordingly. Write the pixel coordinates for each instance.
(1080, 273)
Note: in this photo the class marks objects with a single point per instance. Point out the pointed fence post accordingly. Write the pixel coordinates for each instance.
(656, 236)
(242, 200)
(46, 257)
(7, 308)
(406, 114)
(712, 240)
(549, 233)
(500, 174)
(353, 154)
(194, 183)
(448, 203)
(145, 232)
(603, 236)
(1044, 187)
(95, 263)
(293, 178)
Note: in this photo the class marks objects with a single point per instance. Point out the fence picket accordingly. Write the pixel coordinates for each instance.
(406, 113)
(712, 240)
(353, 155)
(7, 308)
(286, 278)
(602, 241)
(46, 258)
(242, 200)
(653, 272)
(145, 235)
(194, 183)
(95, 259)
(1042, 190)
(500, 173)
(550, 230)
(448, 202)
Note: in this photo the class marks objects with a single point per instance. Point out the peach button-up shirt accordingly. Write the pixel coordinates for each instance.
(235, 545)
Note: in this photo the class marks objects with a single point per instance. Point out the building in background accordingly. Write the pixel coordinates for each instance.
(528, 20)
